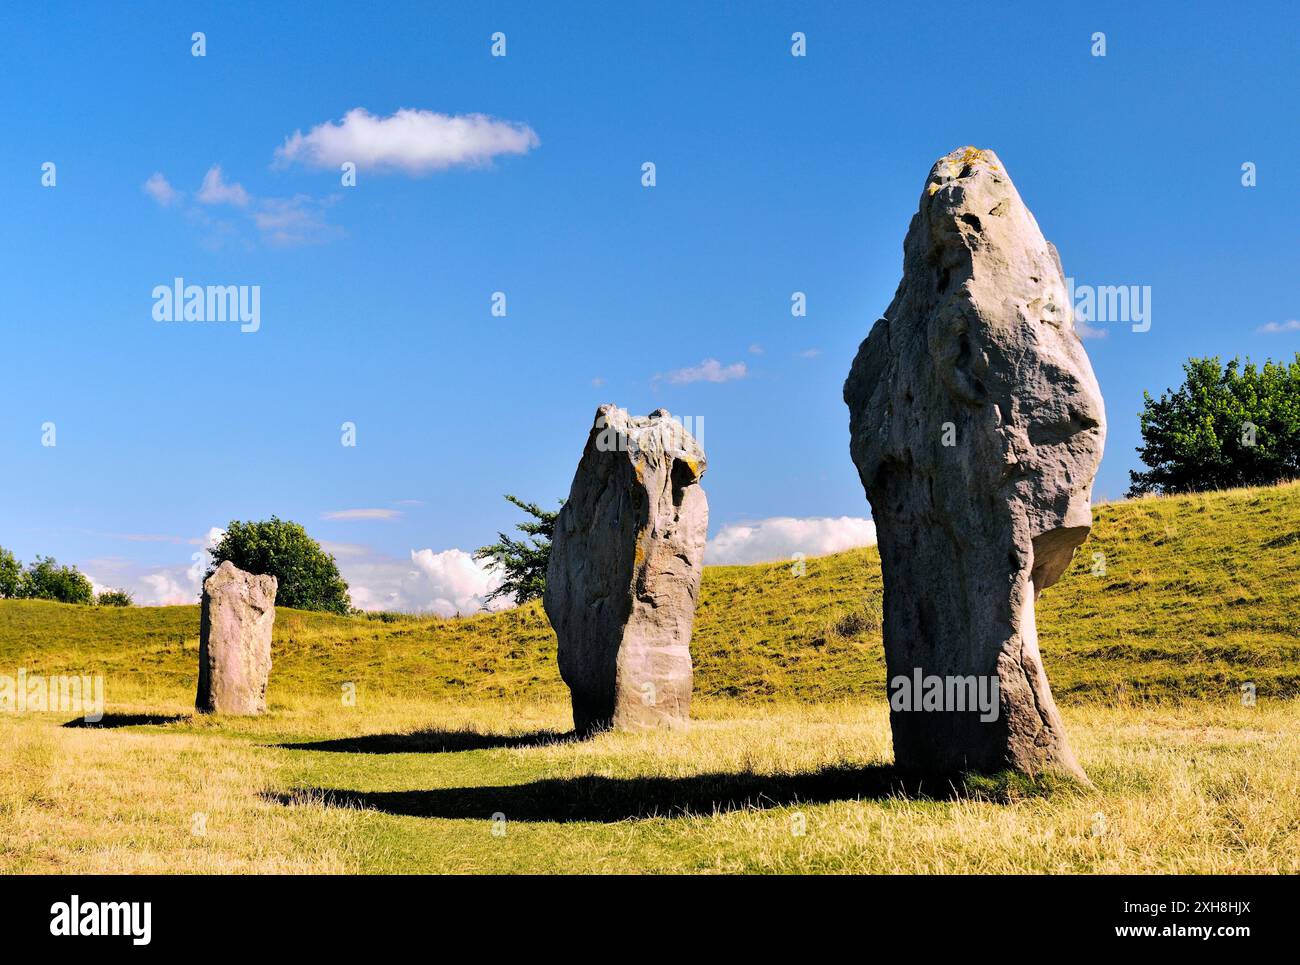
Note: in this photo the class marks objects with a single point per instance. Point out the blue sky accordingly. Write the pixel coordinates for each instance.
(774, 174)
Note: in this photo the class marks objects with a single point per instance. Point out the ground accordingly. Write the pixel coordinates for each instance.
(404, 786)
(1154, 648)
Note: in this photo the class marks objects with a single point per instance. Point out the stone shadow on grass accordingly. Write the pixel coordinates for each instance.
(109, 721)
(606, 799)
(431, 742)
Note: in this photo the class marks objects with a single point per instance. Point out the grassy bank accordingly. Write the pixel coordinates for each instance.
(1169, 598)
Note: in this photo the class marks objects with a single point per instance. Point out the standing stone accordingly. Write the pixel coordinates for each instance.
(624, 572)
(977, 426)
(235, 641)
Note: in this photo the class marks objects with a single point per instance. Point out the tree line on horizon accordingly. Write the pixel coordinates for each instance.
(45, 579)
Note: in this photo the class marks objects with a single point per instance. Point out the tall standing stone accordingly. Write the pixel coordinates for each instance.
(977, 426)
(235, 641)
(624, 572)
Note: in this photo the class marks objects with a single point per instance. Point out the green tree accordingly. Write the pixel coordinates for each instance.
(523, 561)
(114, 598)
(308, 576)
(11, 574)
(45, 579)
(1225, 426)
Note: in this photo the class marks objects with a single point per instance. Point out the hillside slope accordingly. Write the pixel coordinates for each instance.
(1177, 597)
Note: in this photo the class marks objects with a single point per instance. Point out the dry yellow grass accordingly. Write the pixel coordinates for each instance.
(1201, 789)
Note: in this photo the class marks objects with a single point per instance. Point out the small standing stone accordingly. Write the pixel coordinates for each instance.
(235, 641)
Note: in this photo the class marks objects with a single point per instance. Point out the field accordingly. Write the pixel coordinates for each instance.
(1170, 608)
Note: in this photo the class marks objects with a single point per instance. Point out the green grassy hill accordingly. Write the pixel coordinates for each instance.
(1190, 596)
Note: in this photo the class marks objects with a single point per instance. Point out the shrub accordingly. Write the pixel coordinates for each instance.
(308, 576)
(45, 579)
(11, 574)
(1224, 427)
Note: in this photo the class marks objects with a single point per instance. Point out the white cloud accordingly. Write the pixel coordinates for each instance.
(1276, 328)
(460, 583)
(710, 370)
(342, 551)
(362, 514)
(756, 349)
(173, 585)
(165, 589)
(810, 353)
(412, 141)
(280, 222)
(445, 583)
(160, 189)
(215, 190)
(294, 221)
(780, 537)
(96, 586)
(1084, 330)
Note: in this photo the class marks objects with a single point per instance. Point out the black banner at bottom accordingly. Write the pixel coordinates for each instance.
(141, 914)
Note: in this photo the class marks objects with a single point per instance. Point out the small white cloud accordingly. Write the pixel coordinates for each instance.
(362, 514)
(810, 353)
(780, 537)
(160, 189)
(597, 382)
(1084, 330)
(1276, 328)
(343, 551)
(298, 220)
(756, 349)
(215, 190)
(710, 370)
(413, 141)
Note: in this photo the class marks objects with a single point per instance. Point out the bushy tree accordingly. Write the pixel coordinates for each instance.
(1225, 426)
(45, 579)
(523, 561)
(114, 598)
(308, 576)
(11, 574)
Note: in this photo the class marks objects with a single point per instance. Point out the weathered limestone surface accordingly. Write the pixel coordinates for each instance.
(977, 350)
(235, 641)
(624, 572)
